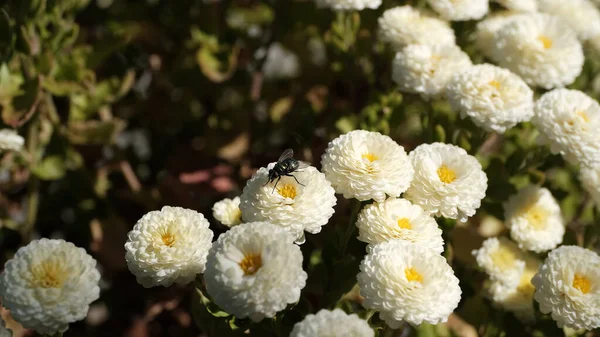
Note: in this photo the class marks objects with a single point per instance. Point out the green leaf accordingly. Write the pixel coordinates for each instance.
(51, 168)
(7, 36)
(95, 132)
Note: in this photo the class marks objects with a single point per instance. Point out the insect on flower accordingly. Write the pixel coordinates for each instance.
(285, 166)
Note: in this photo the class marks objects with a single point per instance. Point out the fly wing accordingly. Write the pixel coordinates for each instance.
(289, 153)
(302, 164)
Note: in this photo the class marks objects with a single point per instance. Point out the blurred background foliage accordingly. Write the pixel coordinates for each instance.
(128, 105)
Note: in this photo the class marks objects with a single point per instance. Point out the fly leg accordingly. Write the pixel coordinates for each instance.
(291, 175)
(278, 178)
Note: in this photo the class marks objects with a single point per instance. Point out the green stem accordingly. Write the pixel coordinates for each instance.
(351, 228)
(33, 194)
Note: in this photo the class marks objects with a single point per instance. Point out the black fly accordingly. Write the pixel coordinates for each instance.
(285, 166)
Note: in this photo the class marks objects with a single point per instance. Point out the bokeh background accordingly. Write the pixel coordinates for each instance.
(131, 105)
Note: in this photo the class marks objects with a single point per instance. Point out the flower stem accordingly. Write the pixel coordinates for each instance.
(351, 228)
(33, 194)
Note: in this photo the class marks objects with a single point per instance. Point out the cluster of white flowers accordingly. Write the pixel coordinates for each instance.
(168, 246)
(567, 286)
(581, 15)
(49, 284)
(345, 5)
(460, 10)
(534, 219)
(510, 271)
(255, 270)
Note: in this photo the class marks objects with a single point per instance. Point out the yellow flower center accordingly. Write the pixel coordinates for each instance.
(287, 191)
(404, 223)
(504, 258)
(495, 84)
(413, 275)
(525, 287)
(536, 215)
(251, 264)
(49, 274)
(168, 238)
(370, 157)
(582, 283)
(546, 41)
(446, 175)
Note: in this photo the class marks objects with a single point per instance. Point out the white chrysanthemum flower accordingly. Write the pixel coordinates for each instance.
(448, 182)
(568, 286)
(280, 63)
(518, 297)
(581, 15)
(348, 5)
(568, 121)
(427, 69)
(49, 284)
(534, 219)
(367, 165)
(519, 5)
(227, 211)
(300, 203)
(502, 260)
(493, 97)
(404, 25)
(590, 179)
(334, 323)
(540, 48)
(398, 219)
(460, 10)
(10, 140)
(488, 28)
(408, 282)
(168, 246)
(255, 270)
(4, 331)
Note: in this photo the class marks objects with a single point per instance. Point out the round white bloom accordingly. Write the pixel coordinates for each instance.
(568, 286)
(334, 323)
(568, 121)
(10, 140)
(291, 205)
(227, 211)
(398, 219)
(168, 246)
(493, 97)
(540, 48)
(348, 5)
(254, 270)
(519, 5)
(488, 28)
(518, 297)
(4, 331)
(502, 260)
(408, 282)
(581, 15)
(460, 10)
(49, 284)
(590, 179)
(404, 25)
(448, 182)
(427, 69)
(367, 165)
(280, 63)
(534, 219)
